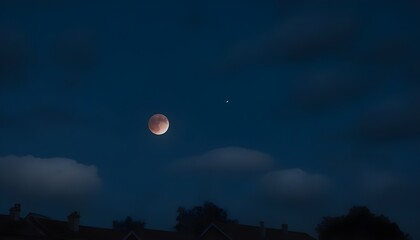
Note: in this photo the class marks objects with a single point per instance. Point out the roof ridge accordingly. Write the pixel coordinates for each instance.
(248, 225)
(82, 226)
(37, 215)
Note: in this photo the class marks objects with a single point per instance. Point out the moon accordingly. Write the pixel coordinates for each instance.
(158, 124)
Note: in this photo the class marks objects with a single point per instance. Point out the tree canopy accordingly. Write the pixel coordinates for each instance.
(196, 219)
(359, 223)
(128, 224)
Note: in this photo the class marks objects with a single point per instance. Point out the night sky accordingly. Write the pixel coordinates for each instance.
(283, 111)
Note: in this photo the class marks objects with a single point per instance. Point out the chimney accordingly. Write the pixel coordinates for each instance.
(262, 231)
(285, 231)
(14, 212)
(74, 221)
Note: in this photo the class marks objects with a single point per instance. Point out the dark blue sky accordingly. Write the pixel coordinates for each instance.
(323, 109)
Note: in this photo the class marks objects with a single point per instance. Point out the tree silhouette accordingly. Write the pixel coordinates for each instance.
(128, 224)
(359, 223)
(195, 220)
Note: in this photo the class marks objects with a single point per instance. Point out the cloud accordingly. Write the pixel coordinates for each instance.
(228, 160)
(47, 178)
(303, 36)
(392, 119)
(390, 191)
(392, 38)
(388, 51)
(379, 183)
(329, 87)
(294, 185)
(386, 187)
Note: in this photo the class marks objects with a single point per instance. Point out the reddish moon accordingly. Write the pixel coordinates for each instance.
(158, 124)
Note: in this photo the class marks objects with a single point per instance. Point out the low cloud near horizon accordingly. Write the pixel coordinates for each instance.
(227, 160)
(47, 178)
(294, 185)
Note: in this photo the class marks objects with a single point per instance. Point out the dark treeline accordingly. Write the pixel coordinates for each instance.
(359, 223)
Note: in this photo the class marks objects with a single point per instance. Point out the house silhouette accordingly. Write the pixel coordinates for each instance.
(39, 227)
